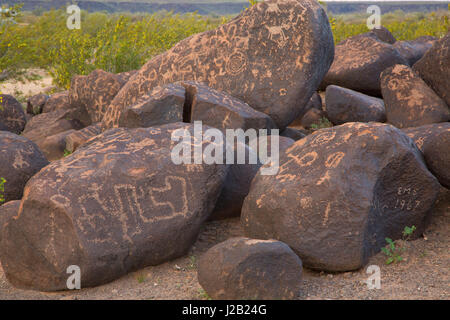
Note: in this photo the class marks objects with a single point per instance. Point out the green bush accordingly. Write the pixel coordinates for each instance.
(123, 42)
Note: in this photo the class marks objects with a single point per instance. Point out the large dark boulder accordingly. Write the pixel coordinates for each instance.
(237, 182)
(54, 147)
(414, 50)
(434, 68)
(358, 63)
(92, 94)
(315, 102)
(249, 269)
(409, 101)
(160, 106)
(345, 105)
(382, 34)
(48, 124)
(80, 137)
(12, 115)
(117, 204)
(20, 159)
(57, 101)
(273, 56)
(339, 192)
(36, 103)
(434, 142)
(7, 211)
(220, 110)
(422, 135)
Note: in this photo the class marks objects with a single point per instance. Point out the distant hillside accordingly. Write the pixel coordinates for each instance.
(217, 7)
(361, 7)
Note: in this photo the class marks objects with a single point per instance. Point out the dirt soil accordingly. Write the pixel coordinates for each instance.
(32, 82)
(424, 273)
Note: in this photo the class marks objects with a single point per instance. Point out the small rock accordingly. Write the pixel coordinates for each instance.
(248, 269)
(12, 115)
(345, 105)
(409, 101)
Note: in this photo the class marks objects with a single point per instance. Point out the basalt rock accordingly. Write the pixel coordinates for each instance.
(80, 137)
(293, 133)
(382, 34)
(409, 101)
(48, 124)
(12, 116)
(313, 117)
(36, 103)
(434, 68)
(7, 211)
(414, 50)
(125, 76)
(160, 106)
(434, 142)
(117, 204)
(20, 159)
(273, 57)
(237, 183)
(315, 102)
(57, 101)
(339, 192)
(54, 147)
(345, 105)
(92, 94)
(249, 269)
(358, 63)
(222, 111)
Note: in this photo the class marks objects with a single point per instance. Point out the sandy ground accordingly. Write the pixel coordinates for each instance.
(39, 81)
(424, 274)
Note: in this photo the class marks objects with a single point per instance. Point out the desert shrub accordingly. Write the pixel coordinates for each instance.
(123, 42)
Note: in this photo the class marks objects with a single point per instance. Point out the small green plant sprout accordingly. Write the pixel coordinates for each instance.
(141, 278)
(203, 294)
(67, 152)
(392, 250)
(2, 189)
(193, 262)
(407, 232)
(323, 123)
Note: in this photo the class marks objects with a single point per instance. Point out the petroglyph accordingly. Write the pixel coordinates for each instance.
(254, 57)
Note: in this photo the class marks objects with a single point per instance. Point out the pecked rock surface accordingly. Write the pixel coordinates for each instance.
(358, 63)
(415, 49)
(434, 68)
(339, 192)
(77, 138)
(12, 115)
(36, 103)
(243, 268)
(92, 94)
(382, 34)
(45, 125)
(20, 159)
(162, 105)
(434, 142)
(409, 101)
(117, 204)
(57, 101)
(345, 105)
(273, 57)
(7, 211)
(220, 110)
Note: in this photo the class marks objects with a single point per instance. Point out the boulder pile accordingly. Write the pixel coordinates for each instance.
(358, 136)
